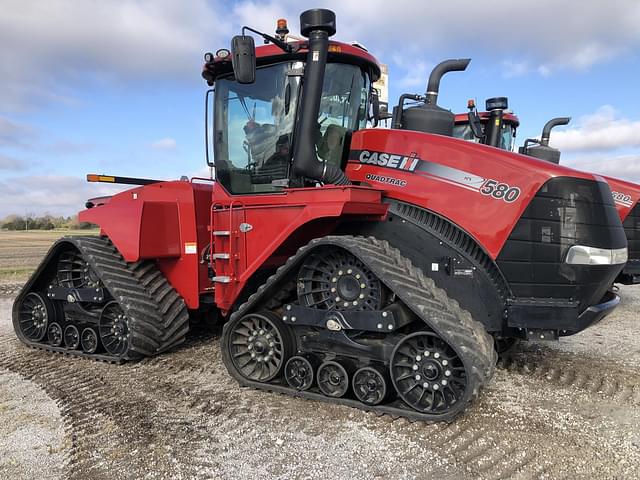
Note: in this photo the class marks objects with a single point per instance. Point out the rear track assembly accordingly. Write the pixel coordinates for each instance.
(85, 300)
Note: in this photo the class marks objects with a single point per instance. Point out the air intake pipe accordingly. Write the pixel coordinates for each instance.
(317, 25)
(542, 150)
(493, 131)
(429, 117)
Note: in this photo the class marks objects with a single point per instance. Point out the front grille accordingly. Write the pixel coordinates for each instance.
(565, 211)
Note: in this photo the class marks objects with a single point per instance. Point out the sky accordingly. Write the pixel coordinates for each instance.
(115, 87)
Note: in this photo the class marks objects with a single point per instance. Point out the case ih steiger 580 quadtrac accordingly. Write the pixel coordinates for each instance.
(474, 127)
(363, 266)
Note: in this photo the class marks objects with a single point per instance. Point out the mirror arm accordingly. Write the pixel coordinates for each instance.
(284, 46)
(206, 126)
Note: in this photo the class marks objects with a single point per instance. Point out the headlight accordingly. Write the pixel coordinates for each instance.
(581, 255)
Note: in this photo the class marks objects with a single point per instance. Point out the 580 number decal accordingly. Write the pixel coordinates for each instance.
(500, 191)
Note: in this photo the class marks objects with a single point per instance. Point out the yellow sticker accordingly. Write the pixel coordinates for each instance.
(190, 248)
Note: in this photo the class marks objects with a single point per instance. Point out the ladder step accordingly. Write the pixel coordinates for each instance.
(221, 279)
(221, 233)
(221, 256)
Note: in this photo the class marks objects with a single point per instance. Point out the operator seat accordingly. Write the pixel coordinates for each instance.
(331, 145)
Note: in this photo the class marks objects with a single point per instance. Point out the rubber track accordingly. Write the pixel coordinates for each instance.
(440, 313)
(158, 317)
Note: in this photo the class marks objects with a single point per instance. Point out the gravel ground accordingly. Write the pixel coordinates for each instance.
(569, 409)
(33, 441)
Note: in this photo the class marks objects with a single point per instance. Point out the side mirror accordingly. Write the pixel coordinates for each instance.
(374, 110)
(476, 125)
(243, 58)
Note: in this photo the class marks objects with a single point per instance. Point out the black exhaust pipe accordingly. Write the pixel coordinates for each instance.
(546, 131)
(541, 149)
(317, 25)
(429, 117)
(433, 86)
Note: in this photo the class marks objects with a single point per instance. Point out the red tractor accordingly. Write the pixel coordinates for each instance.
(474, 126)
(367, 267)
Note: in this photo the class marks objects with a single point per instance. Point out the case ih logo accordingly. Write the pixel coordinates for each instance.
(390, 160)
(489, 187)
(622, 199)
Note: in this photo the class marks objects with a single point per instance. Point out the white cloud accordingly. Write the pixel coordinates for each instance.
(164, 144)
(48, 47)
(10, 163)
(624, 167)
(13, 134)
(602, 130)
(542, 36)
(512, 69)
(54, 194)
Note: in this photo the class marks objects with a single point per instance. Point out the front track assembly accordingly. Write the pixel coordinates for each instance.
(85, 300)
(364, 328)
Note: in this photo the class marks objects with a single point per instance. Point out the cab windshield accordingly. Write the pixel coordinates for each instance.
(463, 132)
(254, 123)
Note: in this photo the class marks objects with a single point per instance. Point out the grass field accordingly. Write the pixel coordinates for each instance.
(22, 251)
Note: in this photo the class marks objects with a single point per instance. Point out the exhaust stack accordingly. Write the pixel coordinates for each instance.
(433, 85)
(546, 131)
(542, 150)
(429, 117)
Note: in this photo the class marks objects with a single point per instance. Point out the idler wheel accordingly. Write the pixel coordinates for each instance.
(71, 337)
(113, 328)
(34, 316)
(336, 279)
(333, 379)
(370, 385)
(298, 372)
(89, 340)
(54, 334)
(74, 271)
(427, 373)
(258, 346)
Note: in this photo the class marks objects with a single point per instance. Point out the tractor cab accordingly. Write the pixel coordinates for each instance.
(510, 124)
(496, 126)
(257, 125)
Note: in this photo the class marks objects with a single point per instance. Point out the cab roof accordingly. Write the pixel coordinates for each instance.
(339, 52)
(507, 117)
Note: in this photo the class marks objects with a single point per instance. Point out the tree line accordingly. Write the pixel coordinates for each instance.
(45, 222)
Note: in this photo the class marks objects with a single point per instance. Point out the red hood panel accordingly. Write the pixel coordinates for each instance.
(625, 194)
(482, 189)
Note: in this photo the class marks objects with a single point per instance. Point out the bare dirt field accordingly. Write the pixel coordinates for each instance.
(21, 251)
(569, 409)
